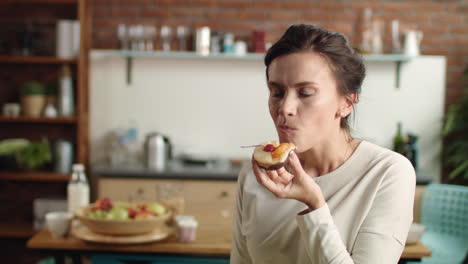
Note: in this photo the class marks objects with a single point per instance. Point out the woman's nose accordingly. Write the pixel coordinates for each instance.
(288, 106)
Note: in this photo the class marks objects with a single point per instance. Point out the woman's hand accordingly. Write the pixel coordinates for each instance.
(295, 185)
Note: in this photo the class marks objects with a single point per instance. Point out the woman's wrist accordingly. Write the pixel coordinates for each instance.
(315, 203)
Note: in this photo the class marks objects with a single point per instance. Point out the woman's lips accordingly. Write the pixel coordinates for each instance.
(286, 129)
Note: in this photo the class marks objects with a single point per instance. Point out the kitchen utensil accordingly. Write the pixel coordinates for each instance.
(186, 228)
(228, 43)
(63, 156)
(240, 48)
(58, 223)
(396, 43)
(412, 42)
(123, 36)
(158, 151)
(182, 36)
(166, 34)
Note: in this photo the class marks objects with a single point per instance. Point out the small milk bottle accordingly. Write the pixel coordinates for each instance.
(77, 189)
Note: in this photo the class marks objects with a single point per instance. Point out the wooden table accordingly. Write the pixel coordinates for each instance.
(210, 241)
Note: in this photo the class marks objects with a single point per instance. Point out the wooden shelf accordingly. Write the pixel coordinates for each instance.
(42, 120)
(33, 176)
(16, 230)
(36, 59)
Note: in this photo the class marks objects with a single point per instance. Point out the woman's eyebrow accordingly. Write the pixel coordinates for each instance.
(275, 84)
(305, 83)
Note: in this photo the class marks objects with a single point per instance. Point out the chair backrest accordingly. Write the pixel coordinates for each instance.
(445, 209)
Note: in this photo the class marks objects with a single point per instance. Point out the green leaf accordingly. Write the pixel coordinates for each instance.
(459, 169)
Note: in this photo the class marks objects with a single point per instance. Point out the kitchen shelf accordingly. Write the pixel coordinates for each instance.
(130, 55)
(42, 120)
(16, 230)
(33, 176)
(174, 55)
(36, 59)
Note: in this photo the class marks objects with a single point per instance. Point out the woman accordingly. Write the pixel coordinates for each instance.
(339, 200)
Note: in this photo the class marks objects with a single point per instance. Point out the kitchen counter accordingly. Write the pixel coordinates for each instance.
(188, 172)
(176, 170)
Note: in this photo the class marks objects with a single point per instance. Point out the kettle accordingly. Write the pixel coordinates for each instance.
(158, 151)
(412, 42)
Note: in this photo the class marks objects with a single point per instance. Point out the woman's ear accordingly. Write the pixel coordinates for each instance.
(347, 106)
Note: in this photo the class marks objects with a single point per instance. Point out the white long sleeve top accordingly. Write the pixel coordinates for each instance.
(366, 219)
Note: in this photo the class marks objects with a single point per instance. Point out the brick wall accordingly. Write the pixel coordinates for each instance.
(444, 23)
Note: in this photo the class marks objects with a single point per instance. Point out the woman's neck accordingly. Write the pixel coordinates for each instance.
(328, 156)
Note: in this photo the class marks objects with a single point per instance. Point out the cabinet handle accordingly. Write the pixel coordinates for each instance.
(224, 194)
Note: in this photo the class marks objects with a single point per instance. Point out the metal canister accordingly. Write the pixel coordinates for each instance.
(158, 151)
(63, 153)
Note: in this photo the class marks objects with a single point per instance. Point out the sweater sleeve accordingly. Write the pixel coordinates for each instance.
(239, 251)
(382, 235)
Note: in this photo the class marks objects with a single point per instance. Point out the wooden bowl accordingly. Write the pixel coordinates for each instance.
(121, 227)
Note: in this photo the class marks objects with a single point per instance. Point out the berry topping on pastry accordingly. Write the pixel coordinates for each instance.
(272, 155)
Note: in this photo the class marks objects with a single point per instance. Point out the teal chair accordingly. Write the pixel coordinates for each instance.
(445, 214)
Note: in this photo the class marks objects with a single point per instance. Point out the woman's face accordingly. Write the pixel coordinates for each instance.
(304, 101)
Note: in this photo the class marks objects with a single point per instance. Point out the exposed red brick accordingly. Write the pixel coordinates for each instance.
(435, 50)
(319, 15)
(297, 4)
(397, 7)
(443, 22)
(287, 15)
(330, 6)
(254, 14)
(345, 28)
(234, 4)
(459, 29)
(454, 60)
(158, 13)
(446, 19)
(202, 3)
(186, 12)
(434, 31)
(238, 25)
(221, 13)
(429, 7)
(265, 4)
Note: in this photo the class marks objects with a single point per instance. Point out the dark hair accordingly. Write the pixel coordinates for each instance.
(345, 63)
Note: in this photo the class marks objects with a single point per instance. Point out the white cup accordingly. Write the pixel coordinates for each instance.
(11, 109)
(58, 223)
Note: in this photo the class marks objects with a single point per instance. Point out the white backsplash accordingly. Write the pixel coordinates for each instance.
(213, 107)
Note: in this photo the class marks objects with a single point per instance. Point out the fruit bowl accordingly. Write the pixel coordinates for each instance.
(121, 227)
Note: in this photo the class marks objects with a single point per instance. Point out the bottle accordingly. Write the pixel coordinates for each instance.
(66, 101)
(366, 35)
(398, 140)
(77, 189)
(63, 156)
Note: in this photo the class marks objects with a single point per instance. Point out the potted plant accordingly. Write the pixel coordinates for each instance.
(33, 98)
(455, 132)
(23, 154)
(35, 156)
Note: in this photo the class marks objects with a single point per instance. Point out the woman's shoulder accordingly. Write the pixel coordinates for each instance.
(385, 160)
